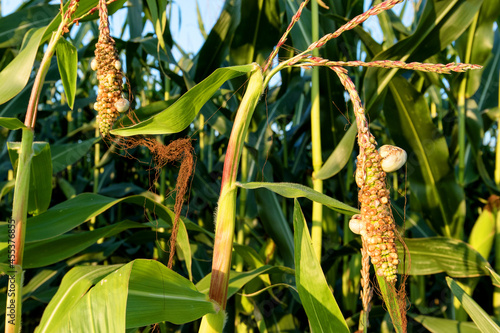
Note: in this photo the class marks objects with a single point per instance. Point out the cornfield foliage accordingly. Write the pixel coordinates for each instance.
(263, 242)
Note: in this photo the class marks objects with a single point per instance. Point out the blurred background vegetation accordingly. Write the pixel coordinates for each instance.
(446, 199)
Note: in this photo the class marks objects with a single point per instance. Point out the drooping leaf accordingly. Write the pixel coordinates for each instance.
(67, 61)
(290, 190)
(434, 255)
(340, 156)
(11, 123)
(477, 314)
(321, 307)
(15, 76)
(180, 114)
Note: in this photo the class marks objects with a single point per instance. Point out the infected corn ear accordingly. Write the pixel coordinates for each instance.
(109, 98)
(376, 215)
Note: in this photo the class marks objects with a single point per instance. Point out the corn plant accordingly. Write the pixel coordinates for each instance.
(111, 245)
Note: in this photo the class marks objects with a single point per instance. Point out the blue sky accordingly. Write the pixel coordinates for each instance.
(184, 22)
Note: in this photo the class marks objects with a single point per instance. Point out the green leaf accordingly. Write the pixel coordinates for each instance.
(432, 180)
(14, 26)
(340, 156)
(483, 233)
(67, 61)
(238, 280)
(15, 76)
(434, 255)
(257, 32)
(481, 44)
(291, 190)
(11, 123)
(477, 314)
(180, 114)
(185, 247)
(214, 50)
(48, 252)
(438, 325)
(71, 213)
(104, 306)
(157, 8)
(66, 154)
(140, 293)
(41, 175)
(317, 298)
(157, 294)
(275, 224)
(84, 7)
(73, 285)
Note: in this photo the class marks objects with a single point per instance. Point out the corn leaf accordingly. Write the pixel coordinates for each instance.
(74, 284)
(340, 156)
(434, 255)
(180, 114)
(291, 190)
(438, 325)
(432, 180)
(321, 307)
(67, 62)
(477, 314)
(15, 76)
(11, 123)
(41, 175)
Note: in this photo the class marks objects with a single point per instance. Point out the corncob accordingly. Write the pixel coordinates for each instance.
(110, 101)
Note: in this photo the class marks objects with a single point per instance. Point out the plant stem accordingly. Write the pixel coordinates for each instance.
(21, 191)
(19, 216)
(317, 161)
(225, 217)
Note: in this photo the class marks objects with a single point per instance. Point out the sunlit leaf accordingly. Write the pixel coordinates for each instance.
(477, 314)
(15, 76)
(290, 190)
(321, 307)
(180, 114)
(67, 61)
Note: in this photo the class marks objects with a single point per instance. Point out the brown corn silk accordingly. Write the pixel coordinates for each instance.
(110, 79)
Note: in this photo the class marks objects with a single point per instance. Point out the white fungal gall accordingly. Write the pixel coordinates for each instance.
(93, 64)
(122, 105)
(118, 65)
(393, 158)
(356, 224)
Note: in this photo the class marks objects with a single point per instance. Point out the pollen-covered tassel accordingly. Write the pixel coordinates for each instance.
(109, 98)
